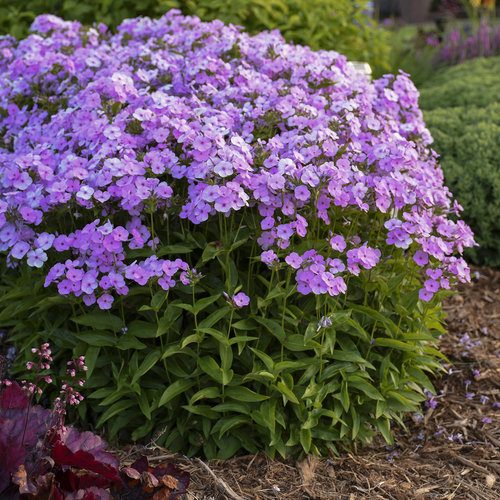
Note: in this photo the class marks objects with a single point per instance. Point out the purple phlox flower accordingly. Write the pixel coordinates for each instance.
(269, 257)
(105, 301)
(241, 299)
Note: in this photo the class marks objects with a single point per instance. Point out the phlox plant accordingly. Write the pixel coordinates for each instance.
(248, 240)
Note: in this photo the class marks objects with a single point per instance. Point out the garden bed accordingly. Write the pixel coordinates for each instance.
(451, 453)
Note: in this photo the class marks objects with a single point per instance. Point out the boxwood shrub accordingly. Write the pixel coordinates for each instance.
(248, 240)
(463, 114)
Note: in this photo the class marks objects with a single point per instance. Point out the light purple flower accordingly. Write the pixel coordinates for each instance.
(19, 250)
(36, 257)
(268, 257)
(241, 299)
(338, 243)
(105, 301)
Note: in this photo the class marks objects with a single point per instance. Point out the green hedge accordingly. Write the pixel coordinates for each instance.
(340, 25)
(462, 110)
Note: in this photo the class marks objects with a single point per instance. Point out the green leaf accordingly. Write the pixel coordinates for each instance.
(202, 410)
(227, 423)
(312, 331)
(168, 319)
(142, 430)
(201, 304)
(232, 406)
(100, 321)
(241, 339)
(267, 360)
(190, 339)
(172, 351)
(267, 411)
(207, 392)
(149, 361)
(115, 409)
(96, 339)
(356, 422)
(275, 293)
(187, 307)
(380, 409)
(272, 326)
(394, 344)
(216, 334)
(91, 355)
(127, 341)
(245, 324)
(215, 317)
(305, 439)
(144, 405)
(158, 299)
(376, 316)
(142, 329)
(174, 249)
(364, 386)
(211, 368)
(296, 343)
(174, 389)
(350, 356)
(287, 393)
(211, 251)
(344, 396)
(101, 393)
(384, 427)
(244, 394)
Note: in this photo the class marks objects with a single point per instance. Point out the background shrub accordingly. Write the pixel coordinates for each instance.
(340, 25)
(16, 16)
(463, 114)
(247, 240)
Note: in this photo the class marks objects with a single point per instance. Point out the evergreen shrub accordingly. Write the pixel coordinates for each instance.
(463, 114)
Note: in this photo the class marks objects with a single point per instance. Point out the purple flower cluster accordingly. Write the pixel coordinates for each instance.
(179, 118)
(459, 46)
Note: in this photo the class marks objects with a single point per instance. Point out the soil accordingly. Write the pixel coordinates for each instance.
(451, 452)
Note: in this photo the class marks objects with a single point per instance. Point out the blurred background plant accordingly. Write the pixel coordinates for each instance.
(340, 25)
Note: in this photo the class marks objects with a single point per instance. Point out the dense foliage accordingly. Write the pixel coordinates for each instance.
(462, 112)
(340, 25)
(244, 237)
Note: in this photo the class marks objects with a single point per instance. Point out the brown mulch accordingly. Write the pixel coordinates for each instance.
(453, 452)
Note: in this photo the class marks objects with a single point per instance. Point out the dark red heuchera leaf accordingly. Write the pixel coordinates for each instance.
(163, 482)
(85, 451)
(93, 493)
(21, 427)
(69, 480)
(13, 397)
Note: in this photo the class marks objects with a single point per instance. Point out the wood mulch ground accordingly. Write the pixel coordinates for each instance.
(453, 452)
